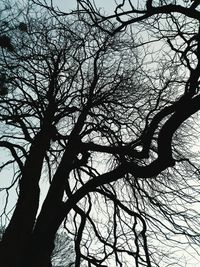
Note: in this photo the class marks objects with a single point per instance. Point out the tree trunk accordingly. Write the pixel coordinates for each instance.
(36, 252)
(21, 225)
(39, 252)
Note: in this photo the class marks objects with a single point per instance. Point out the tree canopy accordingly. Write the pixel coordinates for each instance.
(99, 132)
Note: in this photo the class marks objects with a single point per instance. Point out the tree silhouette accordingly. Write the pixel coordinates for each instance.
(103, 108)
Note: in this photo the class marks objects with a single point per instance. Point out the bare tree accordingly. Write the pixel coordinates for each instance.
(93, 107)
(68, 85)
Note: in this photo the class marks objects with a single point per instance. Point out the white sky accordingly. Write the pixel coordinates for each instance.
(108, 5)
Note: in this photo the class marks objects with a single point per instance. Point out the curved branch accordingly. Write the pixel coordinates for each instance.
(163, 161)
(11, 146)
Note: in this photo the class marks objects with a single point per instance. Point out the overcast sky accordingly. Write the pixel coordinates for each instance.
(108, 5)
